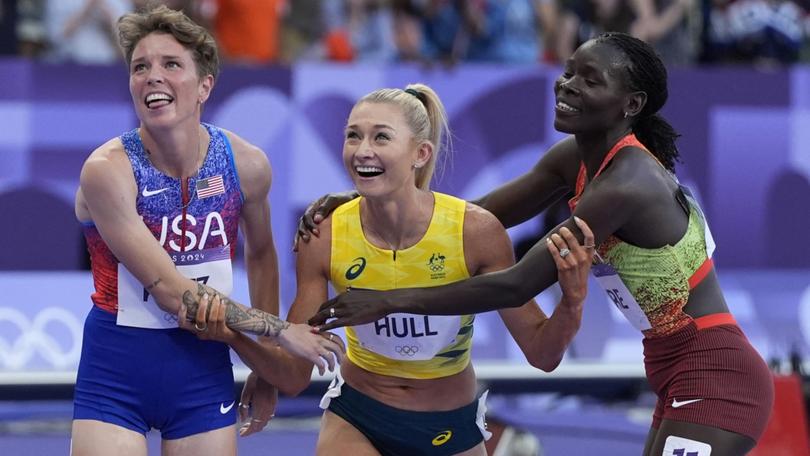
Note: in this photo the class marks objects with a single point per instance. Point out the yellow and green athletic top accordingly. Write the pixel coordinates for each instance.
(401, 344)
(658, 279)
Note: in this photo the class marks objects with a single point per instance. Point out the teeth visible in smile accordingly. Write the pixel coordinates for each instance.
(156, 97)
(368, 169)
(566, 107)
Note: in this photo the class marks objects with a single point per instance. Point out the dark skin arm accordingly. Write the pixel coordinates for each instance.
(620, 195)
(510, 287)
(317, 212)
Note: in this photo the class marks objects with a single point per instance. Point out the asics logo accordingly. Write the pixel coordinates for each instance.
(442, 437)
(223, 410)
(356, 269)
(147, 193)
(677, 404)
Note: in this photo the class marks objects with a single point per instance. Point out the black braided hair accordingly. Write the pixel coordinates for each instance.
(646, 72)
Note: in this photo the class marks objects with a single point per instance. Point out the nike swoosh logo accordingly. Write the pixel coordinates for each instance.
(676, 403)
(147, 193)
(223, 410)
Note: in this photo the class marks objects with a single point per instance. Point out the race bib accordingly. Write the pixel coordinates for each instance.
(679, 446)
(409, 337)
(137, 307)
(618, 293)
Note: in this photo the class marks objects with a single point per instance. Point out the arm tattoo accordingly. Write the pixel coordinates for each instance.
(153, 284)
(253, 321)
(237, 316)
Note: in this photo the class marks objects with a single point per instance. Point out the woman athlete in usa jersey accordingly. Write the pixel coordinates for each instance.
(161, 205)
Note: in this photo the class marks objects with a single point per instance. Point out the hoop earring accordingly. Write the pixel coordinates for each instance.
(625, 114)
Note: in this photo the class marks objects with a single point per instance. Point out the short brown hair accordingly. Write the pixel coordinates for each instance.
(133, 27)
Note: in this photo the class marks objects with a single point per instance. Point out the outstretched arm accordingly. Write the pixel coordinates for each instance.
(210, 321)
(611, 200)
(511, 287)
(237, 316)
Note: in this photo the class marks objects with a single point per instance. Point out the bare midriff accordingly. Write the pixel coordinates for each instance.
(418, 395)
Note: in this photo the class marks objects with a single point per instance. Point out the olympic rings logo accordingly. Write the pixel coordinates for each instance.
(436, 262)
(407, 350)
(36, 338)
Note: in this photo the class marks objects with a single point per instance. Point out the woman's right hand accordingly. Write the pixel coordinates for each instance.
(323, 349)
(317, 211)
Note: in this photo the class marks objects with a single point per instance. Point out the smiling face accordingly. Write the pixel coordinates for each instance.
(591, 93)
(379, 150)
(164, 83)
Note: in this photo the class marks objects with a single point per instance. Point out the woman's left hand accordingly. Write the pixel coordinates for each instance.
(257, 405)
(573, 260)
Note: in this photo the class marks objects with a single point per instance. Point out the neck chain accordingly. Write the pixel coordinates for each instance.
(367, 226)
(193, 192)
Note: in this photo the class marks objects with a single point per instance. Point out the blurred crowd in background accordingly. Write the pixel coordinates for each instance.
(436, 32)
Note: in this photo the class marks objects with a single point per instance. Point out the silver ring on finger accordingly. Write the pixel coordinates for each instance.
(589, 246)
(200, 328)
(331, 312)
(564, 253)
(244, 406)
(331, 336)
(256, 420)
